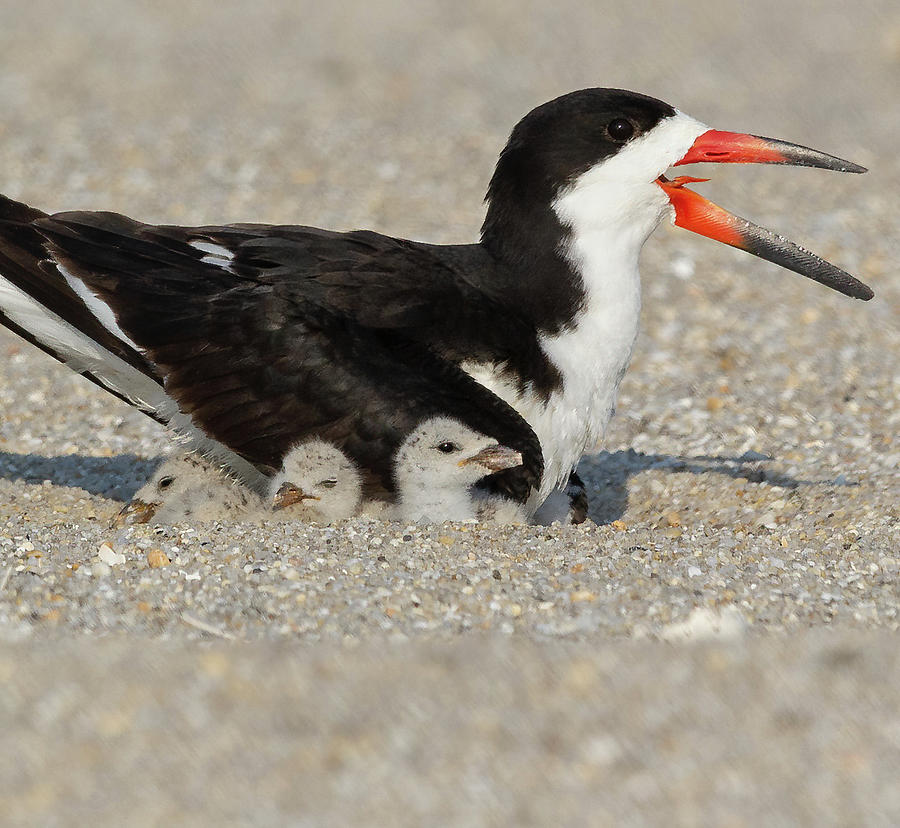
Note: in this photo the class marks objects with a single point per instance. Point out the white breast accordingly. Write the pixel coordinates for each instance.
(591, 356)
(611, 210)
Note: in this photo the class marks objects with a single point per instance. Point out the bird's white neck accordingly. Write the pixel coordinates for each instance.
(609, 212)
(593, 351)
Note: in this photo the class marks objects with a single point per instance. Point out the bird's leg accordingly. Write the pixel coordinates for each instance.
(567, 506)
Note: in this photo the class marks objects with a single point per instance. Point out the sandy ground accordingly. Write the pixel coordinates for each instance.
(719, 646)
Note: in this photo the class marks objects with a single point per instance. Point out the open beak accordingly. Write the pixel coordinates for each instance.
(138, 511)
(288, 494)
(695, 213)
(495, 458)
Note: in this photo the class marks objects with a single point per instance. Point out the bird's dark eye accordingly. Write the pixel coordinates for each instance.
(620, 129)
(328, 484)
(165, 482)
(448, 447)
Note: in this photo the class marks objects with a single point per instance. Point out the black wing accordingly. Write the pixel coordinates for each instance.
(24, 266)
(262, 353)
(445, 296)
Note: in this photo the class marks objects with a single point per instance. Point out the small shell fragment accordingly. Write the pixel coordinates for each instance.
(108, 555)
(156, 558)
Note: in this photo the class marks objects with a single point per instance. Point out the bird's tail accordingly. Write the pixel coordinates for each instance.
(41, 303)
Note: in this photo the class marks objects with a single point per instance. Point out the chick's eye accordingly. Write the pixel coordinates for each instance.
(165, 483)
(620, 129)
(448, 447)
(329, 484)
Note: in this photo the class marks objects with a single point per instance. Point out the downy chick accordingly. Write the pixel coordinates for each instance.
(316, 484)
(188, 488)
(436, 467)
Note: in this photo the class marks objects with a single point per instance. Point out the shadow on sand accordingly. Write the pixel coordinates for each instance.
(116, 478)
(119, 477)
(610, 471)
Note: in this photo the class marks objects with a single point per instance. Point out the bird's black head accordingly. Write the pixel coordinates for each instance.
(548, 150)
(595, 160)
(563, 138)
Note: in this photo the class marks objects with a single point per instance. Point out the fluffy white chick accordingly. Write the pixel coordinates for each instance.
(493, 508)
(437, 466)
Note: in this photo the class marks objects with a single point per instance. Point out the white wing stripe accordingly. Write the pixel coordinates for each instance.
(215, 254)
(83, 354)
(101, 311)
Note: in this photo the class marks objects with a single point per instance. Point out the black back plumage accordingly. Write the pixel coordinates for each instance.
(299, 335)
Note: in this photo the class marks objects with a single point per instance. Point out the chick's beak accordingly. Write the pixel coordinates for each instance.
(288, 494)
(495, 458)
(138, 511)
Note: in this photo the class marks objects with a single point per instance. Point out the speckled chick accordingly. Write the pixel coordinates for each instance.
(316, 484)
(188, 488)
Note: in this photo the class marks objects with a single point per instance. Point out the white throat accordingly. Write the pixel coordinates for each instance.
(427, 504)
(610, 210)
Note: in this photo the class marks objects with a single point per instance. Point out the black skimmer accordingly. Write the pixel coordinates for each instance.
(437, 467)
(317, 483)
(249, 338)
(188, 488)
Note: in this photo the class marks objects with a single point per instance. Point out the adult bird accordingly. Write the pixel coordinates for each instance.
(250, 338)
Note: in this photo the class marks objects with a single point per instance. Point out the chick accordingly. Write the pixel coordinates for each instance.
(189, 488)
(316, 484)
(436, 467)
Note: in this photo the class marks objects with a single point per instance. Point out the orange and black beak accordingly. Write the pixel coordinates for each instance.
(695, 213)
